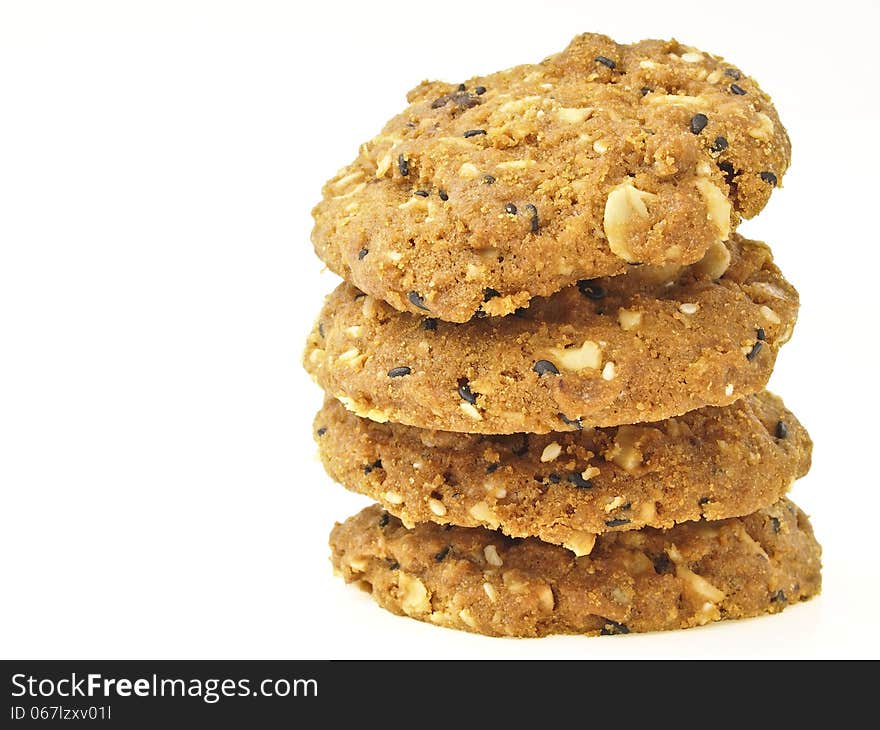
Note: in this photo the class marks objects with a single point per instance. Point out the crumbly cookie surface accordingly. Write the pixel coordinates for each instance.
(652, 344)
(565, 488)
(647, 580)
(524, 181)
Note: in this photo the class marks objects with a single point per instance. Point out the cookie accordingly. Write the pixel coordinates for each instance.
(654, 343)
(565, 488)
(478, 580)
(482, 195)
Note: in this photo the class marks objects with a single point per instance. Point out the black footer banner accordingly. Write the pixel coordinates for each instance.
(257, 694)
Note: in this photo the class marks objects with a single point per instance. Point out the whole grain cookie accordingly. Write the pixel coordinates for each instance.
(564, 488)
(482, 195)
(651, 344)
(646, 580)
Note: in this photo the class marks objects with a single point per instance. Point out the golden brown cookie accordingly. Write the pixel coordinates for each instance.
(482, 195)
(645, 346)
(646, 580)
(564, 488)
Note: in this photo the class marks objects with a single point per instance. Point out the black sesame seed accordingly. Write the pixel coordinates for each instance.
(534, 221)
(383, 519)
(778, 597)
(464, 390)
(490, 293)
(480, 90)
(776, 524)
(737, 89)
(462, 87)
(421, 193)
(554, 478)
(488, 179)
(399, 372)
(781, 430)
(753, 353)
(698, 123)
(465, 100)
(363, 252)
(523, 448)
(474, 132)
(703, 500)
(612, 628)
(510, 208)
(321, 431)
(720, 144)
(321, 328)
(645, 91)
(543, 367)
(590, 289)
(440, 101)
(417, 300)
(576, 422)
(662, 564)
(403, 165)
(375, 465)
(606, 62)
(760, 334)
(492, 468)
(443, 195)
(617, 522)
(393, 564)
(442, 554)
(733, 73)
(578, 480)
(769, 178)
(429, 323)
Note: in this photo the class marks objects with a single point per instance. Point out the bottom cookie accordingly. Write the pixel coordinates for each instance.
(479, 580)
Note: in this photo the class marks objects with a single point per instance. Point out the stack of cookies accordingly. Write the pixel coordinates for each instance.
(547, 362)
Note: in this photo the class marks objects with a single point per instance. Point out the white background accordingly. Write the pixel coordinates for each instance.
(158, 162)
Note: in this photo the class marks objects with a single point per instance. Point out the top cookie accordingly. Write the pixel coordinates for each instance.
(482, 195)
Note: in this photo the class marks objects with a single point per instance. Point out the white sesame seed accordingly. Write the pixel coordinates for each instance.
(437, 507)
(689, 308)
(348, 355)
(492, 556)
(471, 410)
(393, 498)
(769, 314)
(468, 618)
(551, 451)
(490, 591)
(609, 371)
(468, 171)
(729, 389)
